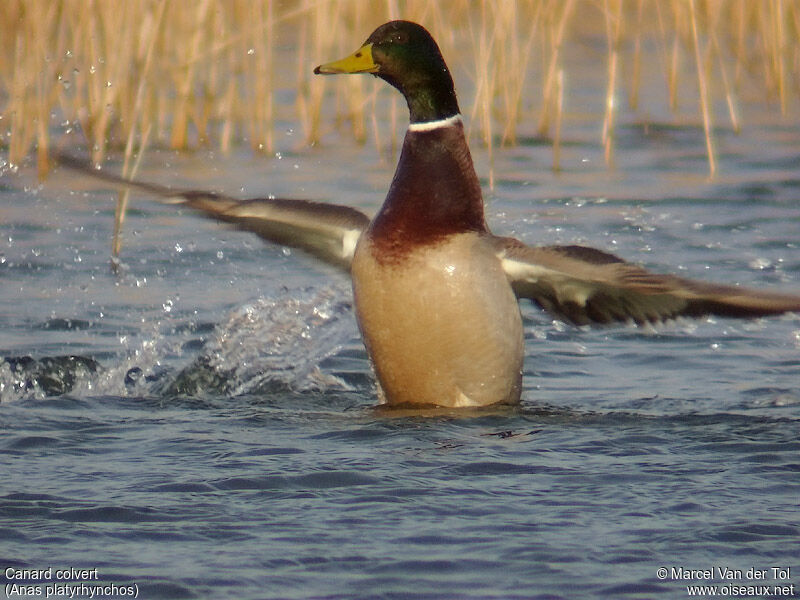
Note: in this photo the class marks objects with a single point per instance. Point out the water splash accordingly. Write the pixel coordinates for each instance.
(25, 377)
(267, 345)
(270, 344)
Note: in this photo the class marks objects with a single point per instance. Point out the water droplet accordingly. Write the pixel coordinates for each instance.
(761, 264)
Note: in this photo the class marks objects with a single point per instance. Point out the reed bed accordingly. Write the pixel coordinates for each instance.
(222, 73)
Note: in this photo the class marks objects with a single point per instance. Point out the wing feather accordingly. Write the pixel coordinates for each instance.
(327, 231)
(584, 286)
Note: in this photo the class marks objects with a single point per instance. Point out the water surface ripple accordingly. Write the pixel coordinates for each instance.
(203, 423)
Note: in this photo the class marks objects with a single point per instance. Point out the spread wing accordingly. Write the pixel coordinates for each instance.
(583, 285)
(327, 231)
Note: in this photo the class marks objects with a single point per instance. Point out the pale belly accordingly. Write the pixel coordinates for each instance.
(441, 327)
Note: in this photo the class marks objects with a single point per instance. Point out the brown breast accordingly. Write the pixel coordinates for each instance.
(441, 325)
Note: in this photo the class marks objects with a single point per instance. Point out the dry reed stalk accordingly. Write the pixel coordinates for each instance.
(702, 83)
(556, 38)
(147, 45)
(110, 47)
(514, 32)
(100, 64)
(30, 85)
(614, 35)
(120, 211)
(482, 45)
(393, 118)
(765, 24)
(43, 91)
(674, 66)
(205, 97)
(794, 52)
(376, 130)
(740, 18)
(714, 14)
(226, 115)
(637, 57)
(225, 105)
(559, 116)
(259, 71)
(302, 101)
(778, 45)
(185, 79)
(310, 98)
(483, 84)
(663, 41)
(19, 136)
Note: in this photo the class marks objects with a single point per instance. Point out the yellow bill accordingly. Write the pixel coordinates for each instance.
(359, 62)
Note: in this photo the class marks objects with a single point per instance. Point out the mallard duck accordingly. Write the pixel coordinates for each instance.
(436, 293)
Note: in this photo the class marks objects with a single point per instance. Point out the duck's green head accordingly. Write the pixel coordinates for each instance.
(405, 55)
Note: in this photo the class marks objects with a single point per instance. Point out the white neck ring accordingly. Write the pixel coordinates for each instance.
(431, 125)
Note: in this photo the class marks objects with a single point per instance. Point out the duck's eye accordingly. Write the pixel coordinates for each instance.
(400, 37)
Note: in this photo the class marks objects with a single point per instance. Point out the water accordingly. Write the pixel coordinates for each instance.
(202, 423)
